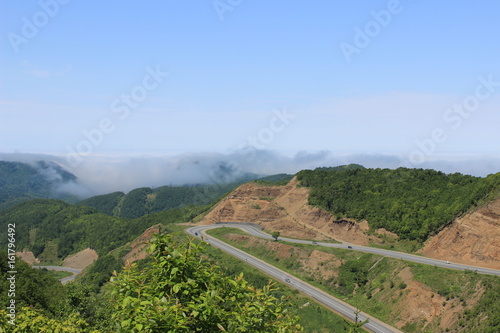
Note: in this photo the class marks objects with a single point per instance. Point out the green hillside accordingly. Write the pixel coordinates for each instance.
(21, 181)
(106, 203)
(414, 203)
(279, 179)
(146, 200)
(53, 229)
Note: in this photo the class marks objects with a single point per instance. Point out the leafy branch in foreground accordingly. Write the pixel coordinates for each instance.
(179, 292)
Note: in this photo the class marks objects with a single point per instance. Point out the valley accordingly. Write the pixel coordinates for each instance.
(434, 277)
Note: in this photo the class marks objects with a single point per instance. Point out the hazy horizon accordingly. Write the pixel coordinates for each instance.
(114, 88)
(106, 174)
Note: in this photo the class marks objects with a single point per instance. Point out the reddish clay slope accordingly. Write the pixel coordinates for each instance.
(473, 239)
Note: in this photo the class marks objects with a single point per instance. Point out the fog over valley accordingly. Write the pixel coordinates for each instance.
(104, 174)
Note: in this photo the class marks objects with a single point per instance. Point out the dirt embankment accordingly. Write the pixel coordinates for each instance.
(322, 265)
(473, 239)
(285, 209)
(415, 303)
(419, 304)
(81, 259)
(28, 257)
(140, 245)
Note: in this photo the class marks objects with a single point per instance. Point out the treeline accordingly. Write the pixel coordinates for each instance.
(279, 179)
(179, 291)
(20, 182)
(53, 229)
(414, 203)
(145, 200)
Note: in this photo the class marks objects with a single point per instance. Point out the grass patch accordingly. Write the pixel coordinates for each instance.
(315, 318)
(377, 289)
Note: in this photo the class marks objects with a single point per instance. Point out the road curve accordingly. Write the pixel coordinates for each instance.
(75, 272)
(386, 253)
(344, 309)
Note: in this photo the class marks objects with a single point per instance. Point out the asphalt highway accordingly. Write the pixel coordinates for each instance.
(75, 272)
(386, 253)
(344, 309)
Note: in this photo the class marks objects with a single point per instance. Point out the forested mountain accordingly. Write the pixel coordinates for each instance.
(21, 181)
(53, 229)
(146, 200)
(179, 291)
(413, 203)
(279, 179)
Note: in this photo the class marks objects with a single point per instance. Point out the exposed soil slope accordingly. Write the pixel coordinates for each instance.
(473, 239)
(140, 245)
(81, 259)
(416, 303)
(28, 257)
(285, 209)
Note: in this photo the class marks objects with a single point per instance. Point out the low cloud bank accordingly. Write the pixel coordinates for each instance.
(105, 174)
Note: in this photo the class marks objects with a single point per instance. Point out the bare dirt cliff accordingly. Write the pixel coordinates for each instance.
(473, 239)
(285, 209)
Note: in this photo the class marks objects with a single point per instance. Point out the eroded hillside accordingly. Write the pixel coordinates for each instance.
(285, 209)
(473, 239)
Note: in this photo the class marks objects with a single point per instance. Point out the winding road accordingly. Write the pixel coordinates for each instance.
(344, 309)
(75, 272)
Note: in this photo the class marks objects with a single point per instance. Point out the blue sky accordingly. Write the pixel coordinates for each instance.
(235, 66)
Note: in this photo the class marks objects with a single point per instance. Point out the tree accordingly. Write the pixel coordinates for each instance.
(275, 235)
(357, 326)
(179, 292)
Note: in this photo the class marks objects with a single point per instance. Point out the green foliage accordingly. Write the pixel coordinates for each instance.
(30, 320)
(414, 203)
(101, 270)
(20, 182)
(143, 201)
(274, 180)
(106, 203)
(134, 203)
(351, 166)
(53, 229)
(181, 293)
(275, 235)
(368, 281)
(354, 273)
(33, 287)
(314, 318)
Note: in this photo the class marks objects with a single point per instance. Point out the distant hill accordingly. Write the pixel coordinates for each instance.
(279, 179)
(352, 166)
(413, 203)
(146, 200)
(21, 181)
(53, 229)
